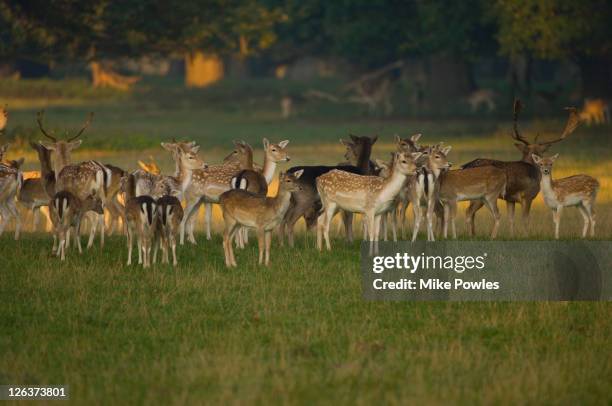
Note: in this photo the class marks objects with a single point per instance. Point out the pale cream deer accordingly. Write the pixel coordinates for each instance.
(369, 195)
(578, 191)
(262, 213)
(141, 221)
(11, 180)
(187, 161)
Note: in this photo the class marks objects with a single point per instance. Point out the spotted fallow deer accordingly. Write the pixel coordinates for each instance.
(67, 211)
(85, 179)
(141, 221)
(523, 176)
(369, 195)
(11, 181)
(264, 214)
(208, 184)
(577, 190)
(169, 217)
(187, 161)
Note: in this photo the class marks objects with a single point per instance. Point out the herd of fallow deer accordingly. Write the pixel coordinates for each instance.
(158, 210)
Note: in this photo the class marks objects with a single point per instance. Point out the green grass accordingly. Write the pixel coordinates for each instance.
(298, 332)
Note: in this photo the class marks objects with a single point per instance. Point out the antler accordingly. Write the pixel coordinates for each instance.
(518, 106)
(87, 123)
(39, 117)
(573, 121)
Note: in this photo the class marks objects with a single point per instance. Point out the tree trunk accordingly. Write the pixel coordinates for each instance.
(596, 76)
(449, 80)
(202, 70)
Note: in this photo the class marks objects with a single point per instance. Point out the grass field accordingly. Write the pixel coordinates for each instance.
(298, 332)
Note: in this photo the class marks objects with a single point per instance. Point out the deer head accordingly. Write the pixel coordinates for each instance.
(276, 152)
(544, 164)
(187, 159)
(242, 153)
(358, 149)
(527, 148)
(409, 144)
(61, 148)
(436, 158)
(288, 182)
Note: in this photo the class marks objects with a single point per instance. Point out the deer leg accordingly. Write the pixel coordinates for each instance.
(189, 212)
(290, 221)
(102, 229)
(511, 206)
(557, 220)
(446, 219)
(173, 245)
(261, 244)
(430, 220)
(347, 219)
(17, 217)
(231, 259)
(383, 225)
(586, 219)
(403, 206)
(491, 203)
(470, 216)
(418, 215)
(377, 224)
(130, 243)
(526, 206)
(35, 217)
(92, 231)
(393, 215)
(268, 238)
(370, 221)
(453, 218)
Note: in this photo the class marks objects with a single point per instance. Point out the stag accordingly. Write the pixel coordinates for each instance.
(523, 177)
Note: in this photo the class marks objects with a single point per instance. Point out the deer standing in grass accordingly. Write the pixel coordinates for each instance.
(484, 184)
(187, 161)
(264, 214)
(141, 221)
(523, 176)
(208, 184)
(369, 195)
(169, 218)
(85, 179)
(67, 211)
(257, 181)
(11, 180)
(577, 190)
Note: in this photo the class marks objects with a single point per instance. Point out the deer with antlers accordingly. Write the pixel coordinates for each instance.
(523, 177)
(577, 190)
(85, 179)
(371, 196)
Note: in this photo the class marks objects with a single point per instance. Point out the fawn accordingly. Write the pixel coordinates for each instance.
(577, 190)
(140, 219)
(370, 195)
(169, 218)
(241, 208)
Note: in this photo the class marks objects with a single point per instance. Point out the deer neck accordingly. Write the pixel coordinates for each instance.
(546, 184)
(269, 167)
(246, 162)
(363, 160)
(183, 176)
(61, 160)
(281, 202)
(392, 186)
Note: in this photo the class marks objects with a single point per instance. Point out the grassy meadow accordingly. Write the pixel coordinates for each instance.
(299, 331)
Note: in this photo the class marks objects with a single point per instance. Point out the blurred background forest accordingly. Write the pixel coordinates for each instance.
(386, 57)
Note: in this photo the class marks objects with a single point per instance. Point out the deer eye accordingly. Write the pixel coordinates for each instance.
(404, 161)
(437, 156)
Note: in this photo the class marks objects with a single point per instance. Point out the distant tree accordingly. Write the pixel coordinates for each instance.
(579, 31)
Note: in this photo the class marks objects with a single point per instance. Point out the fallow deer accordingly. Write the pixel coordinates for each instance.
(484, 184)
(3, 121)
(169, 218)
(368, 195)
(208, 184)
(11, 181)
(141, 221)
(85, 179)
(577, 190)
(264, 214)
(595, 111)
(67, 212)
(32, 196)
(307, 203)
(522, 176)
(187, 161)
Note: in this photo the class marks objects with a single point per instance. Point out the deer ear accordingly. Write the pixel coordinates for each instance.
(345, 142)
(374, 139)
(354, 137)
(75, 144)
(195, 149)
(266, 143)
(50, 147)
(554, 157)
(299, 173)
(19, 162)
(416, 155)
(415, 137)
(283, 143)
(167, 146)
(536, 158)
(381, 163)
(3, 148)
(397, 138)
(446, 150)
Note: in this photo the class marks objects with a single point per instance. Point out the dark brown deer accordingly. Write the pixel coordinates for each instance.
(523, 177)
